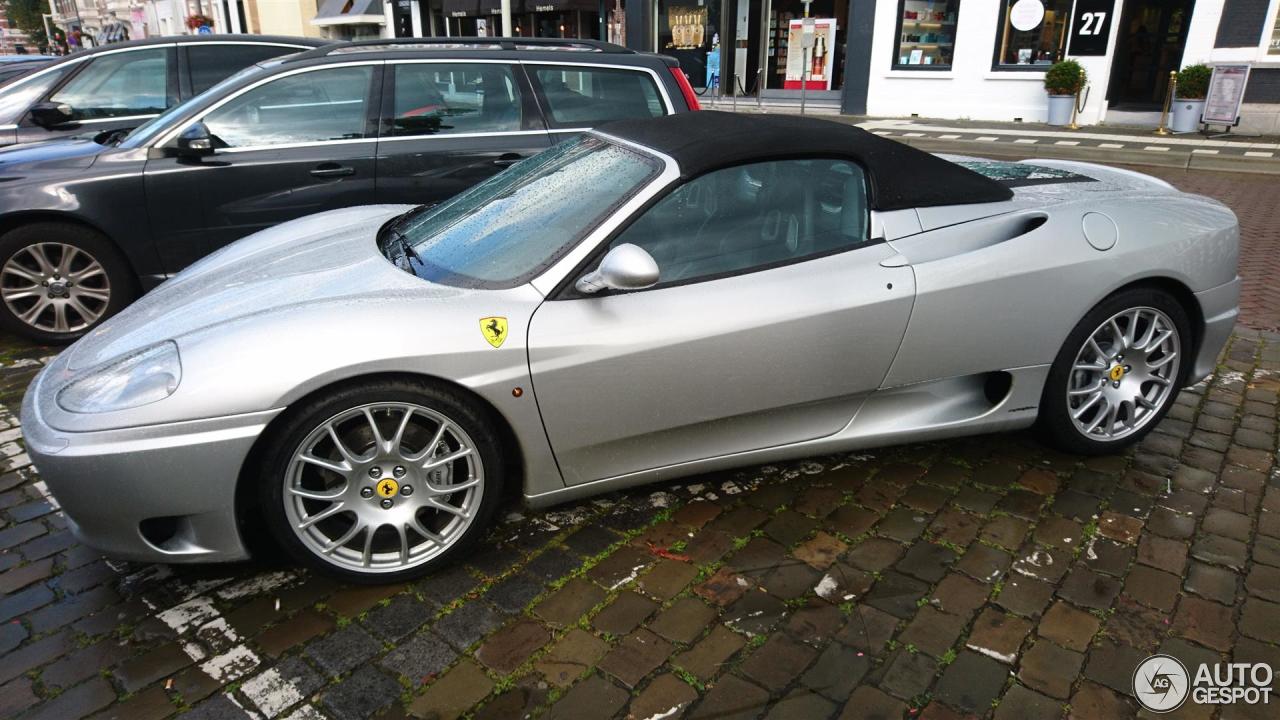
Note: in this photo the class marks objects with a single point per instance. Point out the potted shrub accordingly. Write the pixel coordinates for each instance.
(1188, 102)
(1062, 81)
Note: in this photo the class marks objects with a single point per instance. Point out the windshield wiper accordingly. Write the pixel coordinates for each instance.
(403, 248)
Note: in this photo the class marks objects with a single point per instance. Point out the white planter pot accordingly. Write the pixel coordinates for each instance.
(1186, 115)
(1060, 109)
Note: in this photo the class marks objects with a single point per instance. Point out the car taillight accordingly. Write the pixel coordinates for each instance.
(690, 97)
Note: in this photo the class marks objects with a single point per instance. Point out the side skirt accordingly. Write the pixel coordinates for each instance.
(951, 407)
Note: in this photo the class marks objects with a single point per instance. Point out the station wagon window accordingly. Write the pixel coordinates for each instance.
(584, 97)
(751, 217)
(119, 85)
(446, 99)
(316, 106)
(18, 97)
(211, 62)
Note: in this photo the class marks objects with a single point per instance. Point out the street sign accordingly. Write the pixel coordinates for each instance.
(1091, 27)
(204, 30)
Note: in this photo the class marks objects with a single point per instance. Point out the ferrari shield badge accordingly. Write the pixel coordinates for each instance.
(494, 330)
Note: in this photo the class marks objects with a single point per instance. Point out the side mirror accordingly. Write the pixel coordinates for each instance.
(626, 267)
(51, 114)
(195, 141)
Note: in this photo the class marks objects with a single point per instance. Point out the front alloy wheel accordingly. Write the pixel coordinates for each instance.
(384, 489)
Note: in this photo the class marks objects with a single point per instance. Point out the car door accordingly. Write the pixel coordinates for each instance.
(291, 145)
(577, 97)
(451, 124)
(110, 90)
(772, 320)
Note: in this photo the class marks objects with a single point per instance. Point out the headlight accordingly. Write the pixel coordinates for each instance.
(144, 377)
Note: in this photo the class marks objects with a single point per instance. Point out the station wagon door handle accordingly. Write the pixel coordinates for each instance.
(331, 170)
(508, 159)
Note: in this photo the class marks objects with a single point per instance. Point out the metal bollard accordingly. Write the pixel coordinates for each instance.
(1168, 100)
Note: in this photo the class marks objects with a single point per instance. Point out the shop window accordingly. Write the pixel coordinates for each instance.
(1032, 34)
(926, 34)
(789, 65)
(1273, 44)
(688, 31)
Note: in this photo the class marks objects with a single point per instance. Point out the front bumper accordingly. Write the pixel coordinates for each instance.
(182, 476)
(1220, 306)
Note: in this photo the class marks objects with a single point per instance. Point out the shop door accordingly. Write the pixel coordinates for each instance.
(1152, 36)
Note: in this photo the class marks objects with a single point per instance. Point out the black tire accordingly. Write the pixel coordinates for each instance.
(293, 429)
(1055, 424)
(119, 281)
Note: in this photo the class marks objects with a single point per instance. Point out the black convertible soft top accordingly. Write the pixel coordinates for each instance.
(899, 176)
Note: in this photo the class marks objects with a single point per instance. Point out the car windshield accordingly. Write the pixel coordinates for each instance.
(148, 130)
(508, 229)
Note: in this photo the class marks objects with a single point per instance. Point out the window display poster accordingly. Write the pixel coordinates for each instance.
(1226, 91)
(820, 58)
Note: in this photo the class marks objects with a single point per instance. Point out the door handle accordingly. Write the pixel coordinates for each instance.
(508, 159)
(332, 170)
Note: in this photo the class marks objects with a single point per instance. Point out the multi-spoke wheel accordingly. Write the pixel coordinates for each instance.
(58, 280)
(382, 482)
(1117, 373)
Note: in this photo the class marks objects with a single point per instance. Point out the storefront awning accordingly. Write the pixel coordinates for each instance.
(461, 8)
(494, 7)
(561, 5)
(350, 12)
(484, 8)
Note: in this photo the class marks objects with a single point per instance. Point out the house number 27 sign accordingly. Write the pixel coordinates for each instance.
(1091, 27)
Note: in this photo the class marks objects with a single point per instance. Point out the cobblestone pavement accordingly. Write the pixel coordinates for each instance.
(986, 576)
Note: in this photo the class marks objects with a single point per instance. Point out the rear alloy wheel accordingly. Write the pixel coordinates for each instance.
(1118, 373)
(385, 489)
(57, 281)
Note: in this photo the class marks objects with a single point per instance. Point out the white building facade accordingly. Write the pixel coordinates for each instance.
(985, 59)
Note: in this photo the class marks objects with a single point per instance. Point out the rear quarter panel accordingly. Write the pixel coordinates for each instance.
(1012, 304)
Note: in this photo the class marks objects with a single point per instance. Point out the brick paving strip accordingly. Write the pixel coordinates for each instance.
(986, 576)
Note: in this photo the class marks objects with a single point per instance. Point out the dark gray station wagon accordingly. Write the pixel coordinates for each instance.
(123, 85)
(87, 224)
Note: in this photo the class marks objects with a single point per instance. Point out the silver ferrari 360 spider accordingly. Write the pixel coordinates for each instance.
(654, 299)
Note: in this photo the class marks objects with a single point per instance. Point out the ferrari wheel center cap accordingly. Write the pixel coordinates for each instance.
(1116, 373)
(387, 488)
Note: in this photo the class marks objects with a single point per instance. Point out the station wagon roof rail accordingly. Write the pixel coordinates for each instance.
(418, 44)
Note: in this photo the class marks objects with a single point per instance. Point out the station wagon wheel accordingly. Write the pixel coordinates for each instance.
(59, 280)
(385, 489)
(1118, 372)
(55, 287)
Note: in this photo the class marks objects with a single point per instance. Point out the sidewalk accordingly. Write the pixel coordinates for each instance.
(1099, 143)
